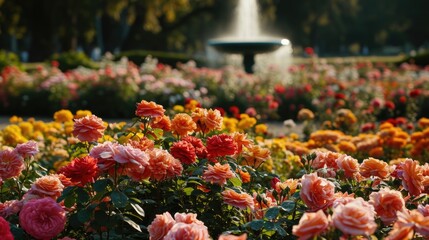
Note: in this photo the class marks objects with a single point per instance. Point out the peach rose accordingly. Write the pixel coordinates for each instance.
(343, 198)
(188, 218)
(349, 165)
(218, 174)
(355, 218)
(27, 149)
(48, 186)
(413, 219)
(185, 231)
(412, 177)
(143, 143)
(241, 140)
(317, 193)
(207, 120)
(239, 200)
(42, 218)
(325, 159)
(233, 237)
(386, 203)
(11, 164)
(311, 225)
(89, 128)
(162, 165)
(160, 226)
(424, 210)
(149, 109)
(400, 233)
(255, 155)
(374, 167)
(135, 162)
(182, 124)
(163, 123)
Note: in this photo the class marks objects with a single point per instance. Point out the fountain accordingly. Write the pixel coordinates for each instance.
(247, 38)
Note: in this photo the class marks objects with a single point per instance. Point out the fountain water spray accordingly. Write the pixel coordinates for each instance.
(247, 39)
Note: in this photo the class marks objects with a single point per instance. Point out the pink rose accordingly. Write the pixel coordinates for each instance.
(187, 218)
(42, 218)
(27, 149)
(160, 226)
(5, 233)
(11, 164)
(185, 231)
(104, 154)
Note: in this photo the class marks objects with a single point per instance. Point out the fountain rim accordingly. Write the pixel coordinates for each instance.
(249, 46)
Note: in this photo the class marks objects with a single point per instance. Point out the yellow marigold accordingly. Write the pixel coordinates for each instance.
(396, 142)
(376, 152)
(230, 124)
(246, 123)
(294, 136)
(12, 135)
(178, 108)
(305, 114)
(15, 119)
(401, 134)
(191, 105)
(26, 129)
(261, 129)
(40, 126)
(423, 123)
(68, 127)
(387, 133)
(82, 113)
(63, 115)
(426, 133)
(386, 125)
(416, 136)
(347, 147)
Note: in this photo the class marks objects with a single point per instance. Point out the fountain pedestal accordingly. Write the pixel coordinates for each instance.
(248, 48)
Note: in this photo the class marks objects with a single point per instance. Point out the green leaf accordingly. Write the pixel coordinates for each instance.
(119, 199)
(272, 213)
(139, 210)
(288, 206)
(256, 225)
(102, 184)
(82, 195)
(269, 226)
(66, 192)
(132, 224)
(83, 216)
(281, 231)
(235, 181)
(188, 191)
(70, 201)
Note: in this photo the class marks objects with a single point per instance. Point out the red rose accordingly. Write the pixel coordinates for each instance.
(81, 170)
(221, 145)
(184, 151)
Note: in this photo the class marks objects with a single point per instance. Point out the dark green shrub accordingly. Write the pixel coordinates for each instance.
(420, 59)
(9, 59)
(139, 56)
(72, 60)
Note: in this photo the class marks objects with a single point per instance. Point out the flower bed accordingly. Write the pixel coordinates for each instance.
(191, 173)
(378, 91)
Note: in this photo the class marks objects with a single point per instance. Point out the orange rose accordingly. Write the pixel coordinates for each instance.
(374, 167)
(355, 218)
(241, 140)
(239, 200)
(182, 124)
(207, 120)
(48, 186)
(163, 123)
(311, 225)
(317, 193)
(89, 128)
(412, 177)
(349, 165)
(218, 174)
(400, 233)
(160, 226)
(149, 109)
(413, 219)
(325, 159)
(255, 155)
(386, 203)
(245, 176)
(162, 165)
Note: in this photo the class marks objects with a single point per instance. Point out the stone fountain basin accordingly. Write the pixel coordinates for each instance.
(247, 46)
